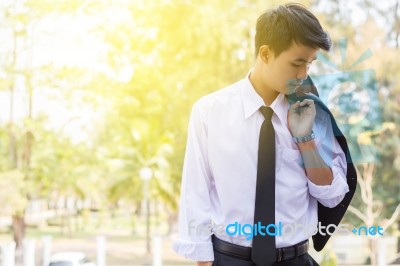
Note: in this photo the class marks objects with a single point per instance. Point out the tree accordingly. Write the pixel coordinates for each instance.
(20, 19)
(378, 200)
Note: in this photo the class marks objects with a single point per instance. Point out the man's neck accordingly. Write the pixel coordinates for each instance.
(267, 94)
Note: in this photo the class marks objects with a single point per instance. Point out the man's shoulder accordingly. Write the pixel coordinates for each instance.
(221, 97)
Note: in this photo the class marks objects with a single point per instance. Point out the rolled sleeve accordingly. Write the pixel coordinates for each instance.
(197, 251)
(330, 195)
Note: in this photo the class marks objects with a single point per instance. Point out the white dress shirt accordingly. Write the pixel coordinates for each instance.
(220, 171)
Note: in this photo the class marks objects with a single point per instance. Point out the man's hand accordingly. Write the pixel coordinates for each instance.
(204, 263)
(301, 117)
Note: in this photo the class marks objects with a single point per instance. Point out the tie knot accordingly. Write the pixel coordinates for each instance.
(266, 112)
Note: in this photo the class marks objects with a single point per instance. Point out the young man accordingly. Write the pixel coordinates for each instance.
(256, 164)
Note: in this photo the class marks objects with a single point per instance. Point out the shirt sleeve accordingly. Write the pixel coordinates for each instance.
(333, 155)
(194, 215)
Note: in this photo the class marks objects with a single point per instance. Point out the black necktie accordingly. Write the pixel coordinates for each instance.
(264, 249)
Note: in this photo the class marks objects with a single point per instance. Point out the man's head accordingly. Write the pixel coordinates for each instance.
(286, 42)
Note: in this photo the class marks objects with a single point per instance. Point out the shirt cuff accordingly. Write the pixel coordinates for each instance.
(196, 251)
(330, 195)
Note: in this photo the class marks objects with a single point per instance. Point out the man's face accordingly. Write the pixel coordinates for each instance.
(287, 71)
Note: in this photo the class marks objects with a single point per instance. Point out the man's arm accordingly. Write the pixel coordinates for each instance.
(325, 165)
(317, 170)
(195, 207)
(326, 168)
(301, 118)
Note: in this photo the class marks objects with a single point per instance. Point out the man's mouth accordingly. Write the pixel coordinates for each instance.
(292, 88)
(295, 84)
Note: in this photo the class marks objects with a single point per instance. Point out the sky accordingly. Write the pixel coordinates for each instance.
(61, 41)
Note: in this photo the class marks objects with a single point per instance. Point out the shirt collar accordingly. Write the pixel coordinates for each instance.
(252, 101)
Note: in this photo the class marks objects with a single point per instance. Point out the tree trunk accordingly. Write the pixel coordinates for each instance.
(69, 224)
(373, 250)
(172, 219)
(18, 225)
(398, 239)
(396, 24)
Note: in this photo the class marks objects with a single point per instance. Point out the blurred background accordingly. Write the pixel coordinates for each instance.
(95, 97)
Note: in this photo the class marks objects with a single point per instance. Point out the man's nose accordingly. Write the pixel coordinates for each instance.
(303, 72)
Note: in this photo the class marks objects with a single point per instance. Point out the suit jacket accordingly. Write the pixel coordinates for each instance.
(327, 216)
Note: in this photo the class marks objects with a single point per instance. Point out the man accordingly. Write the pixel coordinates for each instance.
(258, 164)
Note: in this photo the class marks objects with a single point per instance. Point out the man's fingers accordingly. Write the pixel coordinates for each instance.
(295, 105)
(307, 102)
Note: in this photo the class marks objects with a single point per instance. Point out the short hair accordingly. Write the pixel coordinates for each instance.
(279, 27)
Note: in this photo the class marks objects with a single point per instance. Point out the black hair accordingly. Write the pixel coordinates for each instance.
(279, 27)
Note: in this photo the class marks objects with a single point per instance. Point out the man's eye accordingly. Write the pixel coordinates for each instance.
(295, 65)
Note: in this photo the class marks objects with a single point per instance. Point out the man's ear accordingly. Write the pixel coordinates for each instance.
(265, 53)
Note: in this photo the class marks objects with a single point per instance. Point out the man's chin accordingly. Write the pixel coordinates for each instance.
(289, 92)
